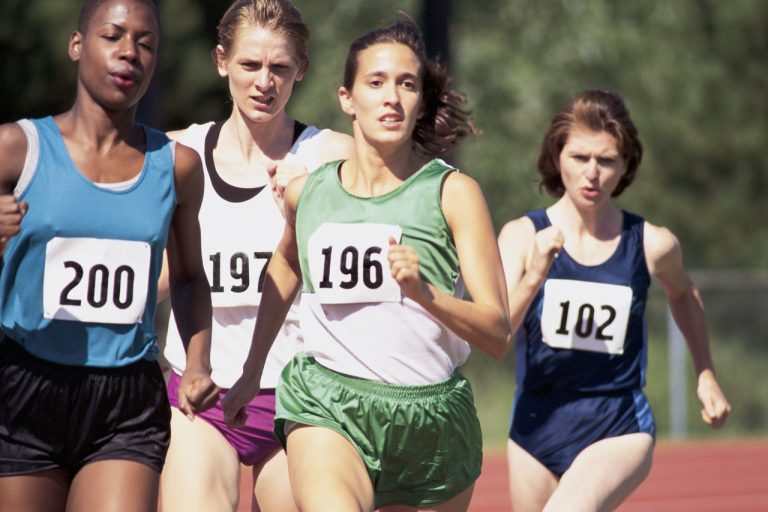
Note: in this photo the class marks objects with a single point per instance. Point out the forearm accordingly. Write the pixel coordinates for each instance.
(521, 297)
(281, 285)
(191, 303)
(483, 326)
(688, 312)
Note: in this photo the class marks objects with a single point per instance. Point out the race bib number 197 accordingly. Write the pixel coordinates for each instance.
(348, 263)
(583, 315)
(96, 280)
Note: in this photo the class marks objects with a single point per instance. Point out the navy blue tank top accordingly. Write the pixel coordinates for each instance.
(585, 330)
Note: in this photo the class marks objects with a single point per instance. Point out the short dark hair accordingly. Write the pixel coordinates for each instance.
(597, 110)
(444, 123)
(90, 6)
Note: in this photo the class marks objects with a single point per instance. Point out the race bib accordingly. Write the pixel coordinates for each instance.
(583, 315)
(237, 277)
(348, 263)
(96, 280)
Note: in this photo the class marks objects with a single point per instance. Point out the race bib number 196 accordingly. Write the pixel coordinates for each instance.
(348, 263)
(583, 315)
(96, 280)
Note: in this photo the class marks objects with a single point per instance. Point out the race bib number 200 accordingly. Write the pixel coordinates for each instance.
(584, 315)
(96, 280)
(348, 263)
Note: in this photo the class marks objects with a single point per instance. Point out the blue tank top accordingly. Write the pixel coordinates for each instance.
(79, 284)
(585, 330)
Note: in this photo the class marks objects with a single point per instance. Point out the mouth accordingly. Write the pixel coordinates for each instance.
(124, 79)
(262, 102)
(391, 120)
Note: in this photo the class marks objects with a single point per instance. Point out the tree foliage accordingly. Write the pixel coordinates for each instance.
(693, 72)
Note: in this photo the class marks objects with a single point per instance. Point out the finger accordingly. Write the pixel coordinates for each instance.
(184, 405)
(705, 417)
(392, 241)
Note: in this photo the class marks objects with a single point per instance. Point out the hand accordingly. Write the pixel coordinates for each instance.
(11, 213)
(280, 174)
(547, 244)
(715, 408)
(404, 266)
(197, 392)
(238, 396)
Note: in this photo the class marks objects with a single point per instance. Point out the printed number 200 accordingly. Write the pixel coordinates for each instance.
(98, 286)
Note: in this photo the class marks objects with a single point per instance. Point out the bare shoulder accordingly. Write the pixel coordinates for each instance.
(187, 161)
(13, 153)
(515, 236)
(335, 145)
(661, 246)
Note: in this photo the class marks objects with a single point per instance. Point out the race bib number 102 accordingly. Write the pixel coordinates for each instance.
(96, 280)
(348, 263)
(583, 315)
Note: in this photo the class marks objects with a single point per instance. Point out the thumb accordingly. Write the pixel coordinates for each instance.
(392, 240)
(23, 207)
(272, 169)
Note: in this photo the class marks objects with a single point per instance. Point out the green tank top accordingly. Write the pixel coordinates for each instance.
(414, 206)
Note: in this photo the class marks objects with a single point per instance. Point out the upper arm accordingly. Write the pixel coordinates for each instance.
(515, 240)
(13, 154)
(470, 222)
(664, 258)
(184, 258)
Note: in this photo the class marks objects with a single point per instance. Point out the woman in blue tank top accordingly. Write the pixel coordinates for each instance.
(88, 199)
(578, 273)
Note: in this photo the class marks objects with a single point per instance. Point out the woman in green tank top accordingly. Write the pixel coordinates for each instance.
(345, 451)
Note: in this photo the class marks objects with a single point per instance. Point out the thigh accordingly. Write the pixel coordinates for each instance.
(272, 486)
(114, 486)
(530, 482)
(202, 470)
(326, 471)
(604, 474)
(45, 491)
(459, 503)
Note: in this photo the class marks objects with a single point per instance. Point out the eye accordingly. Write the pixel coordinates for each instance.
(606, 162)
(581, 158)
(409, 84)
(147, 46)
(110, 37)
(375, 82)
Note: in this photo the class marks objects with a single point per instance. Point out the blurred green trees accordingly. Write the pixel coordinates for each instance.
(693, 72)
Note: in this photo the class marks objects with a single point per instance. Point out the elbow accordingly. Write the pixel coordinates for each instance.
(503, 342)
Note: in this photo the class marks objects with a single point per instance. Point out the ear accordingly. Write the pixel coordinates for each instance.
(221, 61)
(75, 48)
(345, 100)
(301, 72)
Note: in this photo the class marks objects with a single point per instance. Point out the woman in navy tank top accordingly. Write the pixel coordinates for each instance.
(88, 199)
(578, 272)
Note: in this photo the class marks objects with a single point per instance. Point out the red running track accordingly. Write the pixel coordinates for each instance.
(703, 476)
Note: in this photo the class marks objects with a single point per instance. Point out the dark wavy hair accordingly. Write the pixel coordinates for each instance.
(444, 122)
(597, 110)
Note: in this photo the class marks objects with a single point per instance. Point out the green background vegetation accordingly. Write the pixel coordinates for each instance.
(693, 72)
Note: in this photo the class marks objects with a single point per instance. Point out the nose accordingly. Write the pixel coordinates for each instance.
(128, 50)
(592, 172)
(263, 79)
(391, 95)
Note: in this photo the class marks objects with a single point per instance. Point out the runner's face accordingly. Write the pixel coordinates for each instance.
(590, 167)
(117, 54)
(261, 71)
(386, 98)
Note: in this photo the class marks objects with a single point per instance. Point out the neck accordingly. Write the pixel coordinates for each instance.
(98, 128)
(269, 140)
(372, 172)
(601, 222)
